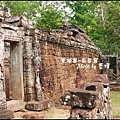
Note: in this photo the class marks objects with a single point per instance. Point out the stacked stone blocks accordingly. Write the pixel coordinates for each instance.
(92, 102)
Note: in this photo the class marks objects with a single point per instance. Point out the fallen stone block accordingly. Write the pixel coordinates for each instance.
(94, 86)
(79, 97)
(6, 114)
(102, 78)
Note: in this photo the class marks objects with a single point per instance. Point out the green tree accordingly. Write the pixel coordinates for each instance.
(27, 8)
(110, 14)
(45, 15)
(100, 19)
(49, 17)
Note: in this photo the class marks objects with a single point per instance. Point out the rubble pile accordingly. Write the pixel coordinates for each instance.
(92, 102)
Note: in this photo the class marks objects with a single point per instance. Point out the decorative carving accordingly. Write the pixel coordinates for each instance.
(38, 86)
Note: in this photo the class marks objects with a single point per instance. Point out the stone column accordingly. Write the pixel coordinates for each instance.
(4, 113)
(28, 69)
(2, 78)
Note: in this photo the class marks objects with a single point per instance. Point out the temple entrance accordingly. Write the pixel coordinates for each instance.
(113, 64)
(13, 71)
(7, 70)
(113, 68)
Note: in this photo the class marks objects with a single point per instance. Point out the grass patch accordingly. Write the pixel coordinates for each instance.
(115, 100)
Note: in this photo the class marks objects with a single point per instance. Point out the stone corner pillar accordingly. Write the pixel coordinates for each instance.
(4, 113)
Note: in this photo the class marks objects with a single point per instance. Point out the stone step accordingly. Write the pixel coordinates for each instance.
(15, 105)
(38, 105)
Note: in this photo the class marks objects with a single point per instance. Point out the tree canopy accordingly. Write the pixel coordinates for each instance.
(100, 19)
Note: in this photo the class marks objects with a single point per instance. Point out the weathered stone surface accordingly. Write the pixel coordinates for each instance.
(38, 105)
(15, 105)
(80, 98)
(6, 114)
(12, 19)
(33, 116)
(102, 78)
(80, 113)
(102, 108)
(52, 61)
(3, 104)
(115, 87)
(95, 86)
(4, 14)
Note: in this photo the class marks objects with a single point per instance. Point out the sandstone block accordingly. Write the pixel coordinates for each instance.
(80, 98)
(33, 116)
(38, 105)
(6, 114)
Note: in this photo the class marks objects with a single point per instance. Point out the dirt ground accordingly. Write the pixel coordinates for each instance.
(51, 113)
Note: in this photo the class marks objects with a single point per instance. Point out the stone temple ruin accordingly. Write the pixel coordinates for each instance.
(37, 67)
(92, 102)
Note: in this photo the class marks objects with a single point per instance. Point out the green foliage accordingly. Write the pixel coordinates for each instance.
(27, 8)
(100, 19)
(44, 16)
(115, 100)
(50, 18)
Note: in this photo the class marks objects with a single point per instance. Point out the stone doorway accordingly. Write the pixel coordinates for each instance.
(7, 70)
(13, 71)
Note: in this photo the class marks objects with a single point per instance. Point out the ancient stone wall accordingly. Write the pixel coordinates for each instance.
(53, 61)
(66, 58)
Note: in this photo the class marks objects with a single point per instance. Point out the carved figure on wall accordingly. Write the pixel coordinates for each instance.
(38, 86)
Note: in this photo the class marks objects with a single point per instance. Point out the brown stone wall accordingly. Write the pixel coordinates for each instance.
(60, 60)
(53, 61)
(64, 67)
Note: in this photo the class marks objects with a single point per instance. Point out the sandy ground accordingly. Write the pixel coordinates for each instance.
(52, 113)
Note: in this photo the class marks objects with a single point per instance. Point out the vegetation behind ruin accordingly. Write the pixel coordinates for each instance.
(100, 19)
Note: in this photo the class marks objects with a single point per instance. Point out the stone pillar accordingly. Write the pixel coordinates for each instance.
(2, 78)
(4, 113)
(34, 94)
(30, 96)
(17, 71)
